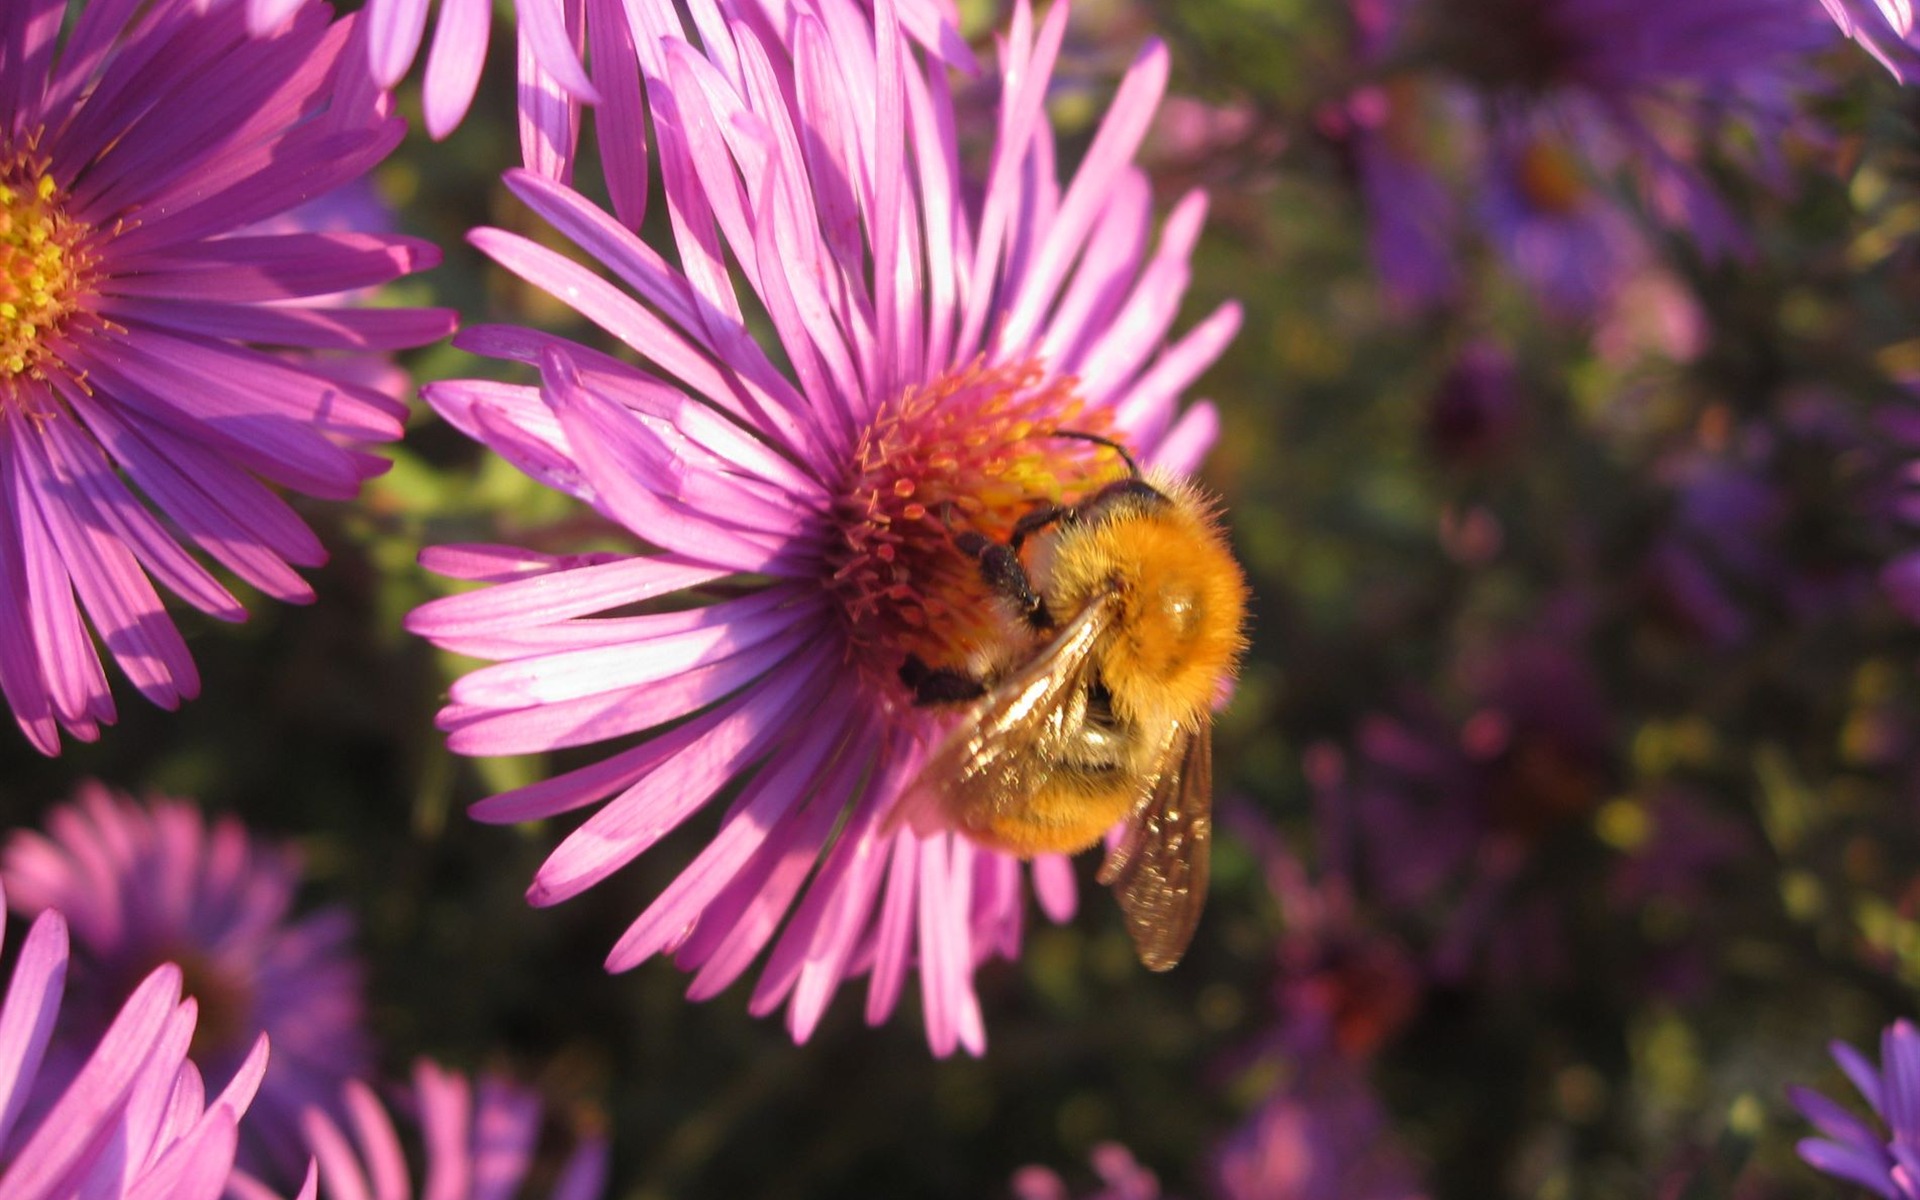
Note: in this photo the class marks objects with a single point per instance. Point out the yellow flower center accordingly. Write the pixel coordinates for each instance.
(43, 267)
(973, 450)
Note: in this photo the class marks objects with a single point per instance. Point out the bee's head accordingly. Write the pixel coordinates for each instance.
(1183, 600)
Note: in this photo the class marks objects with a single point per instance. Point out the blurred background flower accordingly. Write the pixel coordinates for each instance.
(134, 1121)
(481, 1138)
(146, 883)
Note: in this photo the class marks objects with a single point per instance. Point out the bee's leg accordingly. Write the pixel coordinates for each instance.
(1035, 521)
(938, 685)
(1007, 576)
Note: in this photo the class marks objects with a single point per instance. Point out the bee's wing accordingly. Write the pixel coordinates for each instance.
(1002, 752)
(1158, 871)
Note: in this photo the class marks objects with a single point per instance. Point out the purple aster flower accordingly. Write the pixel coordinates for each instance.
(154, 355)
(1121, 1178)
(1398, 130)
(1439, 816)
(1561, 98)
(1886, 1163)
(1322, 1136)
(1885, 28)
(938, 335)
(143, 884)
(133, 1122)
(479, 1139)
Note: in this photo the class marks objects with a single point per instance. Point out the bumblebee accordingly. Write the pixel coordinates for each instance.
(1124, 618)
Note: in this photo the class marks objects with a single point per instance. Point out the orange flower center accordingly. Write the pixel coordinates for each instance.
(1549, 180)
(223, 1023)
(973, 450)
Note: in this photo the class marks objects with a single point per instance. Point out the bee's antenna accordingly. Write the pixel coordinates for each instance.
(1099, 440)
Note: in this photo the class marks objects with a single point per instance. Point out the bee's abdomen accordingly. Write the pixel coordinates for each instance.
(1077, 805)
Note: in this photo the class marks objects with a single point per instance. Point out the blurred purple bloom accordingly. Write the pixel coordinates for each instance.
(1856, 1150)
(1787, 517)
(133, 1123)
(143, 884)
(1476, 411)
(1885, 28)
(1568, 240)
(1440, 817)
(936, 340)
(1678, 855)
(1323, 1136)
(479, 1140)
(1565, 96)
(1121, 1178)
(134, 301)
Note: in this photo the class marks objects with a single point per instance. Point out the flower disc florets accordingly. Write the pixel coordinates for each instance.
(973, 450)
(43, 265)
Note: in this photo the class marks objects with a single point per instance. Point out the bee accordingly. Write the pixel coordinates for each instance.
(1124, 622)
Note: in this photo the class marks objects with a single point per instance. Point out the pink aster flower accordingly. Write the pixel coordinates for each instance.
(1121, 1178)
(479, 1141)
(142, 884)
(154, 355)
(1322, 1136)
(800, 516)
(1885, 28)
(133, 1123)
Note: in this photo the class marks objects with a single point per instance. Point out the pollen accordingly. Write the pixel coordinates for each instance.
(974, 450)
(44, 267)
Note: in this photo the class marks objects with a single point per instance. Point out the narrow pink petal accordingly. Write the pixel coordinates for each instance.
(334, 1154)
(1142, 322)
(1022, 114)
(619, 119)
(1054, 887)
(685, 640)
(71, 1128)
(775, 792)
(617, 713)
(743, 919)
(545, 25)
(380, 1150)
(195, 1167)
(893, 936)
(1099, 287)
(558, 596)
(478, 562)
(453, 64)
(26, 1019)
(630, 823)
(1188, 441)
(1114, 145)
(394, 30)
(1148, 405)
(945, 891)
(446, 1123)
